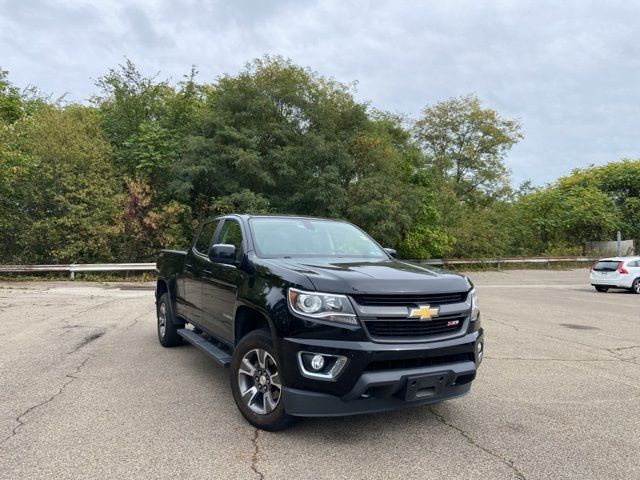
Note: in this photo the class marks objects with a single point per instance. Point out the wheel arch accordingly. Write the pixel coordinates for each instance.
(161, 287)
(167, 285)
(248, 319)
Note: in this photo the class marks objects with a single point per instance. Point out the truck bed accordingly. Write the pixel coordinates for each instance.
(171, 262)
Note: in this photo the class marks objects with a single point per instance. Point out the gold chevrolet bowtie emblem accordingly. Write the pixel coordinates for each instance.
(424, 312)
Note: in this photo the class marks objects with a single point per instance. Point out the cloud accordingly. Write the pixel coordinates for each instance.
(567, 70)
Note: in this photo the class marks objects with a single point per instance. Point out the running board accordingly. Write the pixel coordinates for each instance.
(219, 355)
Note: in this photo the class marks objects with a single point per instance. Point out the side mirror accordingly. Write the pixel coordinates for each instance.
(392, 252)
(223, 253)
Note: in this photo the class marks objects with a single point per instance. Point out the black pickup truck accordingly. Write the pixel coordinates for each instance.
(314, 318)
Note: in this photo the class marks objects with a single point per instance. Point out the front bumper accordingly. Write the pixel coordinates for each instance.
(380, 377)
(383, 391)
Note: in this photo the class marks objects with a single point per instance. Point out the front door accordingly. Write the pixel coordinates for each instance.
(220, 284)
(195, 262)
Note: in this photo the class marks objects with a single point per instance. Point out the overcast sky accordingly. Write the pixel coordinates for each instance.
(569, 70)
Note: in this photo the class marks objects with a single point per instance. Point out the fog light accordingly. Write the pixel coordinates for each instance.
(321, 366)
(317, 362)
(480, 351)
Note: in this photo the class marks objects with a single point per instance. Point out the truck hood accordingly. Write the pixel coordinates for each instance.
(374, 277)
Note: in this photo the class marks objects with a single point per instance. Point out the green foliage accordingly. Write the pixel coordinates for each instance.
(243, 201)
(621, 182)
(142, 228)
(10, 101)
(561, 216)
(465, 146)
(58, 188)
(485, 232)
(137, 170)
(296, 142)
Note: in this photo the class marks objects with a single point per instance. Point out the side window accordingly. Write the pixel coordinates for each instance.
(634, 264)
(206, 234)
(231, 234)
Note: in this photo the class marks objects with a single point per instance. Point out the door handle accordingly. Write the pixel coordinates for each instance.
(208, 272)
(187, 265)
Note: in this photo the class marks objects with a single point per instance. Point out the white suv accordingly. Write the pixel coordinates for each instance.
(616, 272)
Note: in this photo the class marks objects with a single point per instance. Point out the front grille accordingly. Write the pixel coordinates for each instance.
(399, 364)
(410, 300)
(414, 328)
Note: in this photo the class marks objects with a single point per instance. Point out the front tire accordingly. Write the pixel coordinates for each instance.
(635, 286)
(167, 328)
(601, 289)
(256, 383)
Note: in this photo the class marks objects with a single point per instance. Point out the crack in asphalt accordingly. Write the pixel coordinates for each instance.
(5, 306)
(72, 376)
(625, 348)
(65, 320)
(554, 359)
(137, 319)
(612, 351)
(508, 462)
(256, 451)
(616, 352)
(486, 317)
(21, 419)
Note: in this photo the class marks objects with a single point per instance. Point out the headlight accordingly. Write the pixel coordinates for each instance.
(325, 306)
(475, 309)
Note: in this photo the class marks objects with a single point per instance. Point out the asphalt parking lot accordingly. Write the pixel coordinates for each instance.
(86, 391)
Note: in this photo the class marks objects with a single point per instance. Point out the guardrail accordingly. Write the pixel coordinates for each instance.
(74, 268)
(499, 261)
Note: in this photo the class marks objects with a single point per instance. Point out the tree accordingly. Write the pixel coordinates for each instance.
(10, 100)
(297, 142)
(146, 120)
(141, 229)
(57, 189)
(560, 218)
(621, 182)
(465, 146)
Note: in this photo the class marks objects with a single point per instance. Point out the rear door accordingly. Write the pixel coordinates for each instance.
(220, 283)
(634, 269)
(193, 270)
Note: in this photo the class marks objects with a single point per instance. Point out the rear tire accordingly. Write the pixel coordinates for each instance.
(601, 289)
(256, 383)
(167, 328)
(635, 286)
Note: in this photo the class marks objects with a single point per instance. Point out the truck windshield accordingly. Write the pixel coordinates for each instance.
(301, 237)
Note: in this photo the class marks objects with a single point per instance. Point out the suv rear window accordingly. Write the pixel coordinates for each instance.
(606, 266)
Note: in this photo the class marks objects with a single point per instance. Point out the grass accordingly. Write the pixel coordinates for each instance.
(492, 267)
(79, 277)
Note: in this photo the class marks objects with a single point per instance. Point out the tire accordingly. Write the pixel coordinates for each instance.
(601, 289)
(635, 286)
(167, 329)
(256, 384)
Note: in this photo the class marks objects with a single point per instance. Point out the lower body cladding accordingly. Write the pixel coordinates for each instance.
(612, 284)
(378, 377)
